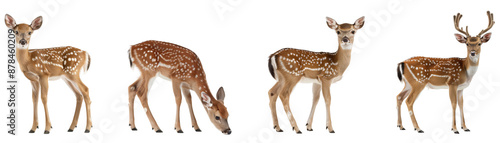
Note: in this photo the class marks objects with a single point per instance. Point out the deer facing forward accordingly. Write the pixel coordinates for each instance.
(42, 65)
(290, 66)
(454, 74)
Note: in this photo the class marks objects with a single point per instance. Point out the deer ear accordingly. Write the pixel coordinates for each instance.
(10, 22)
(206, 100)
(331, 23)
(358, 24)
(460, 38)
(486, 37)
(37, 23)
(221, 94)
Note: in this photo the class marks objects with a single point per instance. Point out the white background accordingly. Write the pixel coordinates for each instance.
(234, 46)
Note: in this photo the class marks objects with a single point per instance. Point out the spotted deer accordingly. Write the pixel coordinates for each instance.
(291, 66)
(42, 65)
(454, 74)
(181, 66)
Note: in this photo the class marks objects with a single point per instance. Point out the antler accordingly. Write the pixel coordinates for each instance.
(490, 24)
(456, 20)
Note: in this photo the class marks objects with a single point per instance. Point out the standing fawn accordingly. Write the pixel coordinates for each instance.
(290, 66)
(454, 74)
(181, 66)
(42, 65)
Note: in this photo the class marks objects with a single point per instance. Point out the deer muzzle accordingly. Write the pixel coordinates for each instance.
(23, 42)
(345, 40)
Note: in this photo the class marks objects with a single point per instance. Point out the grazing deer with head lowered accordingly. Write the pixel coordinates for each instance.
(181, 66)
(42, 65)
(454, 74)
(290, 66)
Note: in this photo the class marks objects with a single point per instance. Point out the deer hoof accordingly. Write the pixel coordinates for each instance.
(87, 131)
(70, 130)
(31, 131)
(159, 131)
(46, 132)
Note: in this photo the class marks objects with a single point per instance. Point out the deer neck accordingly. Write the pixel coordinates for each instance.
(202, 86)
(342, 58)
(23, 56)
(471, 65)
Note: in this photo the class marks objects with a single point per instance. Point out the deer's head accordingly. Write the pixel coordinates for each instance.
(473, 42)
(216, 110)
(346, 31)
(23, 31)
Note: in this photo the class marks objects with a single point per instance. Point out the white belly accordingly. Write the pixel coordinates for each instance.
(460, 87)
(313, 80)
(56, 77)
(162, 76)
(309, 80)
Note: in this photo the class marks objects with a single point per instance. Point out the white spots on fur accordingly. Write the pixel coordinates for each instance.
(65, 58)
(176, 61)
(423, 69)
(296, 62)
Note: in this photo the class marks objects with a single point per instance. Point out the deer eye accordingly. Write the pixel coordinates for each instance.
(467, 44)
(17, 32)
(29, 33)
(479, 44)
(217, 118)
(338, 32)
(353, 32)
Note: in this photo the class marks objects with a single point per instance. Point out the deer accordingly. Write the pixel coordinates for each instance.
(41, 65)
(290, 66)
(454, 74)
(183, 67)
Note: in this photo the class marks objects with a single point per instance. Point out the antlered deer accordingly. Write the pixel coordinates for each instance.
(290, 66)
(181, 66)
(454, 74)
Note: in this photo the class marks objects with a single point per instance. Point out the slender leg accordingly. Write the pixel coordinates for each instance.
(400, 98)
(132, 92)
(84, 90)
(285, 99)
(327, 97)
(461, 105)
(453, 99)
(79, 99)
(187, 95)
(273, 96)
(316, 92)
(178, 100)
(36, 88)
(44, 85)
(142, 93)
(415, 91)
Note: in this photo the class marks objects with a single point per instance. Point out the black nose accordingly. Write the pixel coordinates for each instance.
(23, 42)
(473, 54)
(228, 131)
(345, 39)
